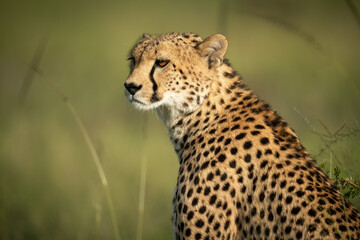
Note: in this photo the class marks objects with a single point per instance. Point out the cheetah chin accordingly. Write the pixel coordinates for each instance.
(140, 105)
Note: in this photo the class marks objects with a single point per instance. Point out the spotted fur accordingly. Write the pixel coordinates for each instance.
(243, 172)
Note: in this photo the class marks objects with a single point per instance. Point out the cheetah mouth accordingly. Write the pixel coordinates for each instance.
(141, 104)
(135, 101)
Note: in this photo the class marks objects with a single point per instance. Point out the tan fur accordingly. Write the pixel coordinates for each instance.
(243, 172)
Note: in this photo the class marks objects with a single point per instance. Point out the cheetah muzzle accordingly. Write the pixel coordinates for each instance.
(243, 172)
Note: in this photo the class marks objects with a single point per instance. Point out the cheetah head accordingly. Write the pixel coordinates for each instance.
(173, 70)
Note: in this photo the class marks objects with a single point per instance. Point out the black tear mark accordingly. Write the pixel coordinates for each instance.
(154, 97)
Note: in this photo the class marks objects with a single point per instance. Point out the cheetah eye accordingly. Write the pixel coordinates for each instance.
(161, 63)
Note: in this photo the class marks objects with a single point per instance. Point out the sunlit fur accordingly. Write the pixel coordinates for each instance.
(243, 172)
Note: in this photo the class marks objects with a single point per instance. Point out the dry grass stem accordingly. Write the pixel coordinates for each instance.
(141, 207)
(89, 143)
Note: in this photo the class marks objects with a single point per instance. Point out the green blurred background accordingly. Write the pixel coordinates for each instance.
(302, 57)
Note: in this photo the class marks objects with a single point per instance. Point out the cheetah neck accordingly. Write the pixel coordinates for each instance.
(225, 86)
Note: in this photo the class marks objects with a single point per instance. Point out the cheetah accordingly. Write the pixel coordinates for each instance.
(243, 173)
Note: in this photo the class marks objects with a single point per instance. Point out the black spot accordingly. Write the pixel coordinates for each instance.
(300, 181)
(227, 223)
(210, 219)
(240, 136)
(342, 228)
(205, 165)
(198, 236)
(312, 213)
(225, 129)
(187, 232)
(331, 211)
(295, 210)
(185, 208)
(270, 217)
(258, 229)
(264, 141)
(217, 150)
(232, 164)
(227, 141)
(183, 189)
(213, 199)
(300, 221)
(211, 140)
(232, 193)
(199, 223)
(262, 214)
(300, 193)
(261, 196)
(250, 119)
(190, 215)
(212, 131)
(254, 133)
(279, 166)
(197, 122)
(329, 221)
(247, 145)
(324, 232)
(258, 154)
(190, 192)
(312, 227)
(272, 196)
(222, 120)
(226, 186)
(253, 211)
(216, 226)
(233, 150)
(196, 179)
(207, 191)
(247, 158)
(267, 231)
(221, 158)
(263, 163)
(291, 188)
(195, 201)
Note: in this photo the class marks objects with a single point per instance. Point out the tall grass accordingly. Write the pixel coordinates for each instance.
(90, 144)
(142, 188)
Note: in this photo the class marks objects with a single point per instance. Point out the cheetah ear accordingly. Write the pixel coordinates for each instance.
(213, 48)
(145, 35)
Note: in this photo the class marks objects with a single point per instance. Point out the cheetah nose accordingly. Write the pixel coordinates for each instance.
(132, 87)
